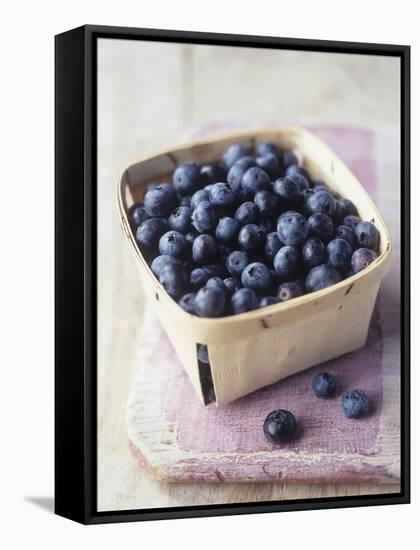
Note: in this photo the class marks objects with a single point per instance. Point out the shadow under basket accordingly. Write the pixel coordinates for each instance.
(257, 348)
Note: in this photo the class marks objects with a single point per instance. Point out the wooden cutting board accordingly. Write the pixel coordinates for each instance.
(177, 439)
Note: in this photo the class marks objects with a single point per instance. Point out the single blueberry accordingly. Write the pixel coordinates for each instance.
(289, 159)
(361, 258)
(150, 186)
(321, 276)
(251, 238)
(346, 233)
(209, 302)
(186, 178)
(322, 202)
(203, 354)
(324, 385)
(187, 302)
(348, 207)
(159, 263)
(160, 201)
(204, 217)
(247, 212)
(338, 215)
(267, 301)
(300, 181)
(272, 246)
(227, 230)
(198, 278)
(321, 226)
(213, 270)
(173, 243)
(256, 276)
(355, 403)
(339, 253)
(287, 262)
(199, 196)
(280, 426)
(367, 235)
(267, 204)
(236, 262)
(180, 219)
(292, 228)
(233, 153)
(216, 282)
(222, 194)
(137, 214)
(351, 221)
(244, 300)
(254, 180)
(270, 164)
(149, 233)
(266, 147)
(205, 249)
(232, 284)
(288, 193)
(313, 252)
(295, 169)
(289, 290)
(185, 201)
(173, 278)
(212, 173)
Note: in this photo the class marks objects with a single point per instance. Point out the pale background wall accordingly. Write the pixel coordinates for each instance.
(153, 95)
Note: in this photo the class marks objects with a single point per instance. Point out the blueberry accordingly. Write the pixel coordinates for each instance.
(313, 252)
(247, 212)
(173, 278)
(232, 284)
(324, 385)
(322, 202)
(233, 153)
(267, 204)
(270, 164)
(351, 221)
(198, 278)
(355, 403)
(254, 180)
(289, 159)
(321, 226)
(227, 230)
(256, 276)
(361, 258)
(221, 194)
(185, 201)
(339, 253)
(280, 426)
(321, 276)
(187, 302)
(216, 282)
(236, 262)
(204, 249)
(191, 236)
(173, 243)
(337, 217)
(348, 207)
(203, 354)
(160, 201)
(266, 147)
(251, 238)
(244, 300)
(213, 270)
(367, 235)
(211, 173)
(300, 181)
(295, 169)
(149, 233)
(199, 196)
(180, 219)
(287, 262)
(186, 178)
(288, 290)
(237, 171)
(209, 302)
(137, 214)
(272, 246)
(150, 186)
(344, 232)
(159, 263)
(267, 301)
(292, 228)
(204, 217)
(288, 193)
(267, 225)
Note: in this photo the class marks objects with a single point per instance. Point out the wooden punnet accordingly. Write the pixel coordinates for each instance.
(257, 348)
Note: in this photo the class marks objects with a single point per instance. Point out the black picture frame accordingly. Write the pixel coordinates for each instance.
(76, 271)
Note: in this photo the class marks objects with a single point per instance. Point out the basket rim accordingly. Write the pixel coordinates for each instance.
(258, 313)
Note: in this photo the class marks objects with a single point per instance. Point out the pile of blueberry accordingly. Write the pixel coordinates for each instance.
(249, 232)
(280, 426)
